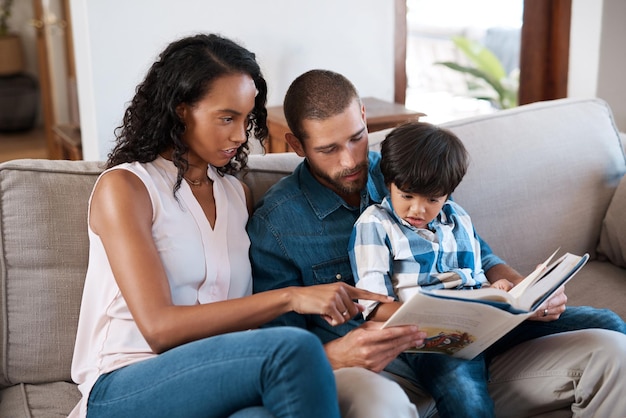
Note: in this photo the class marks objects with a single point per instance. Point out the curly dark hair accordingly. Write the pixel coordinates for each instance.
(184, 73)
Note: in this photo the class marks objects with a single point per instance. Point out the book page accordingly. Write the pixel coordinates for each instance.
(490, 295)
(564, 269)
(454, 327)
(529, 280)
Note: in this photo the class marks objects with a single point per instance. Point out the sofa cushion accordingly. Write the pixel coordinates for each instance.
(43, 400)
(613, 236)
(599, 284)
(44, 247)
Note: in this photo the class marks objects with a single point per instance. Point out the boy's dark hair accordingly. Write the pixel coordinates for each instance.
(424, 159)
(316, 94)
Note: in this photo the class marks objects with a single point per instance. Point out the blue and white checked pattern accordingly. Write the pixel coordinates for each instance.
(390, 256)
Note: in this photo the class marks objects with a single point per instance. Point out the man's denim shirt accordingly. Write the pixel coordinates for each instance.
(299, 235)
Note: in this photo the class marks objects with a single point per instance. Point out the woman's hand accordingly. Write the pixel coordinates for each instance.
(334, 301)
(552, 308)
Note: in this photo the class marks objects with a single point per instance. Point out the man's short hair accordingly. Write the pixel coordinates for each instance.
(317, 94)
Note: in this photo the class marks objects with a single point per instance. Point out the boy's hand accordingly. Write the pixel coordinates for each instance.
(502, 284)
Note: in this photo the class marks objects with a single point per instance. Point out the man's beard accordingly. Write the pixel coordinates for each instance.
(345, 187)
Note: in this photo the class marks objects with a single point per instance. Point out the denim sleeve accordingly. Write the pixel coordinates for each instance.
(272, 268)
(487, 257)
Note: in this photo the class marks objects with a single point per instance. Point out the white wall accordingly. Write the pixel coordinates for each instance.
(117, 40)
(611, 82)
(585, 36)
(598, 55)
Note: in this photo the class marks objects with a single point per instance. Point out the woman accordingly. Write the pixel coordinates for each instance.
(168, 283)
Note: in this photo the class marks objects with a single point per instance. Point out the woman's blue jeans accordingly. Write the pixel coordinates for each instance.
(279, 372)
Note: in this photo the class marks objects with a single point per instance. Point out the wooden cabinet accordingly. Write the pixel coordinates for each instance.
(68, 142)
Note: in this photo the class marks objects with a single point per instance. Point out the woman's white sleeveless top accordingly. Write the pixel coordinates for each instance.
(203, 265)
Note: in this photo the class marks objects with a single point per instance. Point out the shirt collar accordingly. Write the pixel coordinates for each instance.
(322, 200)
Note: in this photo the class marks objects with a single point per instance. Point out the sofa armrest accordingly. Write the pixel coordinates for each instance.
(613, 236)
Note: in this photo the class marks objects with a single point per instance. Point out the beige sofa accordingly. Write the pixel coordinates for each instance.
(542, 176)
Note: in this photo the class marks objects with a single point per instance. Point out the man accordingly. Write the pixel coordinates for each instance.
(299, 236)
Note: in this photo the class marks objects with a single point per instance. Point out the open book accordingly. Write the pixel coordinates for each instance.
(463, 323)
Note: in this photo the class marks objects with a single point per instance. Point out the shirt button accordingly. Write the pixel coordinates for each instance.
(338, 276)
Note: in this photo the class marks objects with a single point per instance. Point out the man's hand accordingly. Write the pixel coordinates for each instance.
(552, 308)
(371, 347)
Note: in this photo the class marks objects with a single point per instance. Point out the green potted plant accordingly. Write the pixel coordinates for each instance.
(489, 79)
(11, 54)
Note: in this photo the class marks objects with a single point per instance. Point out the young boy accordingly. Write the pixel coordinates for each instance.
(416, 231)
(417, 237)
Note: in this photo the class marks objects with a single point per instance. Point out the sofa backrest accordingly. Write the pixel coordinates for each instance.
(43, 259)
(541, 176)
(265, 170)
